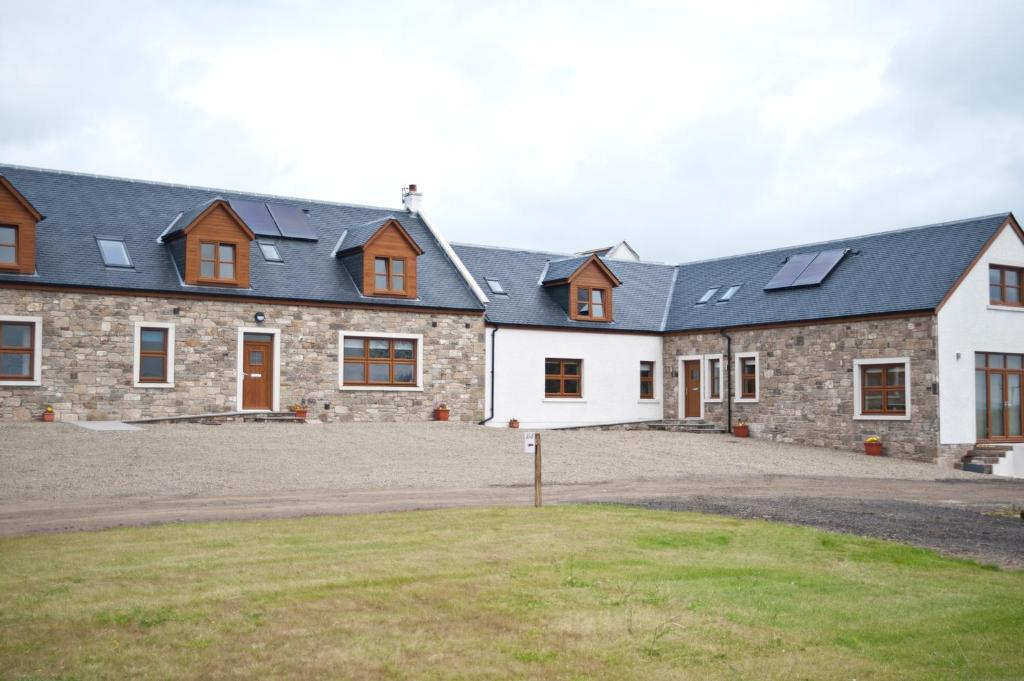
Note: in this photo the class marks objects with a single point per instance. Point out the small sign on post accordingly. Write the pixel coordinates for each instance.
(531, 445)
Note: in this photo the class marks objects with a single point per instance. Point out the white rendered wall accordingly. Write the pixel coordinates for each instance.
(1012, 465)
(967, 323)
(611, 378)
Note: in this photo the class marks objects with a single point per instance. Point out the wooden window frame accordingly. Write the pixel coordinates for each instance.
(648, 380)
(741, 395)
(389, 273)
(161, 354)
(882, 389)
(606, 303)
(1005, 371)
(217, 279)
(167, 354)
(16, 265)
(859, 366)
(562, 377)
(365, 360)
(714, 384)
(18, 350)
(1003, 287)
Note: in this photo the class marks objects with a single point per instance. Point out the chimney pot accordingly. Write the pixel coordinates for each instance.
(412, 199)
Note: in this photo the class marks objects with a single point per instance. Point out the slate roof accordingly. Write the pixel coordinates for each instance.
(900, 271)
(639, 304)
(79, 208)
(357, 235)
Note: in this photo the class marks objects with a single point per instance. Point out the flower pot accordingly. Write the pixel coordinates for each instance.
(873, 448)
(513, 423)
(741, 430)
(48, 416)
(300, 414)
(441, 414)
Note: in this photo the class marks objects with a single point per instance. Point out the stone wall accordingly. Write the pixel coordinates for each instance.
(806, 390)
(88, 356)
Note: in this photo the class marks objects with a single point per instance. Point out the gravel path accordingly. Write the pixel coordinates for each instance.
(956, 531)
(64, 462)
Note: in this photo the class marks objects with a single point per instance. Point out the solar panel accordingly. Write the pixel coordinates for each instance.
(292, 221)
(821, 267)
(256, 215)
(793, 268)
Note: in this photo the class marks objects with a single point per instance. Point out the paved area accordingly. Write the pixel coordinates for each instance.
(57, 477)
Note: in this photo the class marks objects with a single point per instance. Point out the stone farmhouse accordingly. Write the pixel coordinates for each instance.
(123, 299)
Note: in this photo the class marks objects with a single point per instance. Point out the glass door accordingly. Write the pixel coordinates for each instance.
(999, 412)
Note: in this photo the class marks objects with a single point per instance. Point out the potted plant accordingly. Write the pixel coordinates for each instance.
(513, 423)
(873, 446)
(48, 414)
(741, 429)
(300, 411)
(441, 412)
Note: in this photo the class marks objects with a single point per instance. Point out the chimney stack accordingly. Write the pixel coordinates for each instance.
(412, 199)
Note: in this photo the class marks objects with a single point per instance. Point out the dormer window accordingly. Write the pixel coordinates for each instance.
(18, 220)
(217, 262)
(590, 303)
(114, 253)
(389, 276)
(8, 246)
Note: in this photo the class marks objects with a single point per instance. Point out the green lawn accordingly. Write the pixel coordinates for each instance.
(560, 593)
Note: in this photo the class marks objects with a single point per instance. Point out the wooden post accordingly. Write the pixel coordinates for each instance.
(537, 500)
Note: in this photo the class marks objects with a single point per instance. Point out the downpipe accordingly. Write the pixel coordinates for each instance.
(494, 354)
(728, 377)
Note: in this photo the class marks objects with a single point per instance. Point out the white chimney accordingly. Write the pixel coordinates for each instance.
(412, 199)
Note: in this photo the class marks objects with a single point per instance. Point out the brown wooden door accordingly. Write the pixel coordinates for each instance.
(691, 389)
(258, 371)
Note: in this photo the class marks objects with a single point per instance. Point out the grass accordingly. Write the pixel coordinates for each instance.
(560, 593)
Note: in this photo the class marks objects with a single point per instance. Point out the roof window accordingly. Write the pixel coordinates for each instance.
(727, 296)
(708, 296)
(269, 251)
(114, 253)
(496, 287)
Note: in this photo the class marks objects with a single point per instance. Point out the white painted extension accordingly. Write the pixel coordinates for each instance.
(611, 377)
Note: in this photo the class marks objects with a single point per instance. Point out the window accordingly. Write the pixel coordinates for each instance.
(8, 246)
(727, 296)
(883, 389)
(495, 286)
(379, 361)
(216, 261)
(590, 302)
(269, 251)
(646, 380)
(114, 253)
(20, 350)
(708, 295)
(715, 378)
(563, 378)
(389, 275)
(1006, 285)
(154, 355)
(748, 381)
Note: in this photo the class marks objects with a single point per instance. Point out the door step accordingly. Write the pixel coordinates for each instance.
(982, 457)
(216, 418)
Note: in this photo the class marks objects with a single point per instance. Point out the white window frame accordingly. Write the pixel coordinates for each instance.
(37, 351)
(681, 375)
(721, 378)
(169, 383)
(418, 337)
(858, 398)
(739, 356)
(240, 367)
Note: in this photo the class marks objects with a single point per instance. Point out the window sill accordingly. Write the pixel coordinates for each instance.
(648, 401)
(20, 383)
(147, 384)
(880, 417)
(565, 400)
(383, 388)
(746, 400)
(713, 400)
(1006, 308)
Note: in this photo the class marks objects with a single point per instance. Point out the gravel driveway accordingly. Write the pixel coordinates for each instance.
(63, 461)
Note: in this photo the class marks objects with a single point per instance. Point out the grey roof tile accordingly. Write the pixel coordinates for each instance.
(78, 207)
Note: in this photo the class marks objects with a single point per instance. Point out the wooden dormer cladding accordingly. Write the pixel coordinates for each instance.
(587, 291)
(385, 261)
(18, 220)
(217, 243)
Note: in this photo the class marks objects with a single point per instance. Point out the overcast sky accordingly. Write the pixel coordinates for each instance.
(692, 130)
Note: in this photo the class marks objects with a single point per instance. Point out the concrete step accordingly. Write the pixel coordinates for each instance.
(977, 468)
(221, 417)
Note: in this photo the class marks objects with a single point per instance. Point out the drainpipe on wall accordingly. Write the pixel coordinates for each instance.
(494, 347)
(728, 377)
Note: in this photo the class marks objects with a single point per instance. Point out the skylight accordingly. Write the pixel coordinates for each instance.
(495, 286)
(114, 253)
(708, 296)
(270, 252)
(729, 294)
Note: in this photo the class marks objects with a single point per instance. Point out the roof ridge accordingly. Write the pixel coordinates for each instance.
(560, 256)
(899, 230)
(179, 185)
